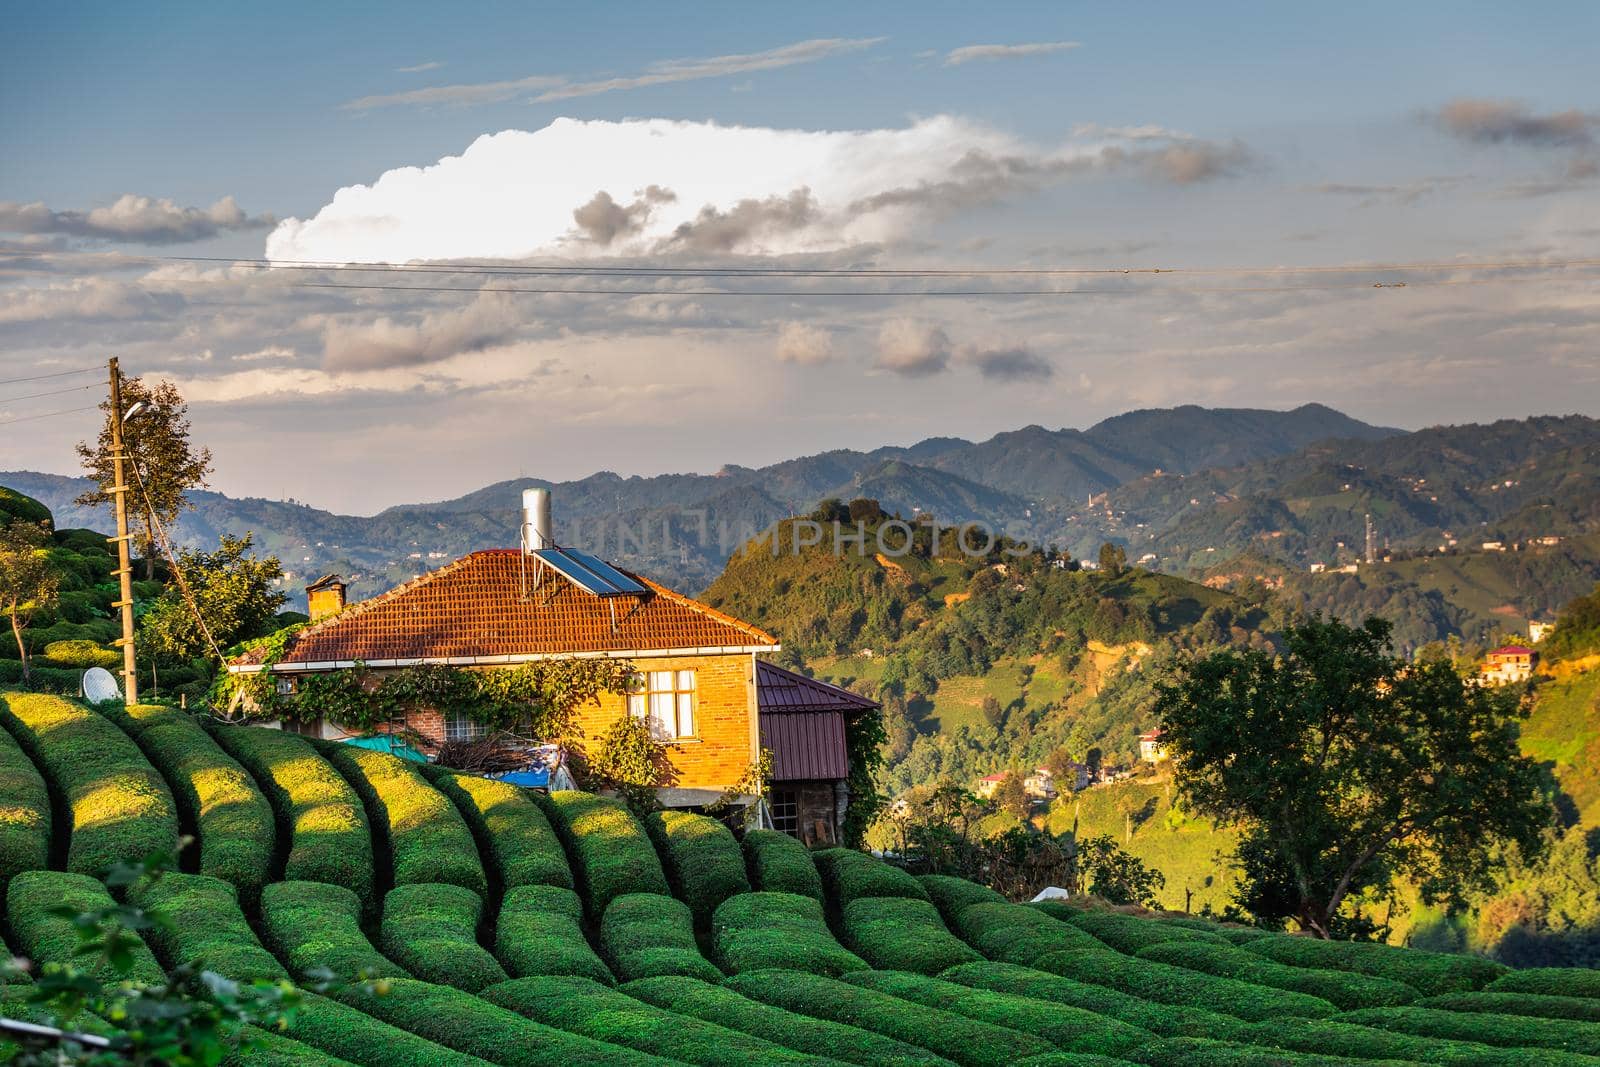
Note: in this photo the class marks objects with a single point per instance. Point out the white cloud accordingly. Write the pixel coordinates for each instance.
(490, 319)
(912, 348)
(455, 95)
(432, 64)
(804, 343)
(975, 52)
(137, 219)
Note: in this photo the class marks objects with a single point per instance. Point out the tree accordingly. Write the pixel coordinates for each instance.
(1063, 769)
(157, 440)
(234, 592)
(1012, 796)
(993, 713)
(27, 583)
(1113, 560)
(1107, 871)
(1344, 766)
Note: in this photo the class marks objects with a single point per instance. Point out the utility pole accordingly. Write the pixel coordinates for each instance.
(124, 572)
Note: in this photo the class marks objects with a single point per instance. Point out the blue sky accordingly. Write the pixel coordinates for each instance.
(1219, 135)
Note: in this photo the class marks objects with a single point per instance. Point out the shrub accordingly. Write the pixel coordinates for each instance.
(121, 809)
(1175, 985)
(952, 895)
(1508, 1031)
(1199, 1052)
(588, 1008)
(786, 931)
(894, 933)
(779, 863)
(820, 1037)
(1342, 989)
(1125, 933)
(613, 854)
(1555, 981)
(328, 837)
(427, 839)
(514, 836)
(469, 1024)
(644, 935)
(1540, 1005)
(702, 859)
(268, 1049)
(953, 1036)
(1014, 933)
(540, 932)
(1230, 932)
(848, 874)
(1167, 1020)
(24, 812)
(311, 925)
(53, 939)
(206, 927)
(80, 655)
(358, 1038)
(1071, 1029)
(432, 931)
(1428, 972)
(233, 822)
(1333, 1037)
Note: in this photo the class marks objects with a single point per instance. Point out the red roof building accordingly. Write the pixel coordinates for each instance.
(803, 725)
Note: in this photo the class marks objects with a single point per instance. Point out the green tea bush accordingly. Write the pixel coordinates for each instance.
(1071, 1059)
(327, 826)
(1175, 985)
(540, 932)
(702, 859)
(1342, 989)
(1554, 981)
(1070, 1029)
(613, 853)
(1539, 1005)
(427, 839)
(1167, 1020)
(311, 925)
(233, 822)
(432, 931)
(1125, 933)
(121, 808)
(1230, 932)
(779, 863)
(470, 1024)
(206, 927)
(820, 1037)
(898, 934)
(1199, 1052)
(24, 812)
(1333, 1037)
(1507, 1031)
(786, 931)
(588, 1008)
(80, 655)
(514, 837)
(848, 874)
(357, 1037)
(646, 934)
(269, 1049)
(1428, 972)
(1015, 933)
(953, 1036)
(952, 896)
(49, 939)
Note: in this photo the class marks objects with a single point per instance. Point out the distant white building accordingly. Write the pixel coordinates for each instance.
(1538, 631)
(1318, 568)
(1494, 546)
(1151, 748)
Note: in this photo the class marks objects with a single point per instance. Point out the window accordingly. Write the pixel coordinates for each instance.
(785, 809)
(665, 700)
(458, 727)
(285, 687)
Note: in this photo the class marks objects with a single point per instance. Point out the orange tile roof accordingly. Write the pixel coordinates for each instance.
(475, 608)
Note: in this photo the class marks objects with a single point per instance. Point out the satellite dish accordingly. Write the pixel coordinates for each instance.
(99, 686)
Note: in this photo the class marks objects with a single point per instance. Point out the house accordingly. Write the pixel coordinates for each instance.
(1151, 748)
(1507, 664)
(802, 723)
(988, 785)
(1040, 785)
(1538, 631)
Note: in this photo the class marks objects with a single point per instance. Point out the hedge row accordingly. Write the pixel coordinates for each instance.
(428, 841)
(848, 874)
(897, 934)
(946, 1033)
(121, 808)
(1229, 932)
(268, 1049)
(613, 854)
(24, 812)
(1125, 933)
(702, 859)
(1167, 1020)
(1069, 1029)
(432, 931)
(514, 836)
(646, 934)
(470, 1024)
(53, 939)
(1332, 1037)
(1507, 1031)
(1342, 989)
(540, 932)
(233, 821)
(1539, 1005)
(1015, 933)
(328, 836)
(1428, 972)
(786, 931)
(820, 1037)
(1175, 985)
(343, 1031)
(312, 924)
(1555, 981)
(952, 895)
(205, 926)
(1199, 1052)
(779, 863)
(591, 1009)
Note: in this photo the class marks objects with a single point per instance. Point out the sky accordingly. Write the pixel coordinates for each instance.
(602, 214)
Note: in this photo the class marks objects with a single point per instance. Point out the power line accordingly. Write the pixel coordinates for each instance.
(46, 415)
(52, 392)
(42, 377)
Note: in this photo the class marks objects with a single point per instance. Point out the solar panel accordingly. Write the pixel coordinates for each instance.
(589, 572)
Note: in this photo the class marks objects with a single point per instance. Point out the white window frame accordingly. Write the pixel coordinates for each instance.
(668, 702)
(460, 729)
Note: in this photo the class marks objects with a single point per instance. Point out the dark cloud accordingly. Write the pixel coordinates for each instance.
(603, 220)
(382, 343)
(1511, 122)
(1014, 364)
(742, 225)
(135, 219)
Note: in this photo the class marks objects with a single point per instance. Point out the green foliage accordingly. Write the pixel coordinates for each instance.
(1334, 1037)
(1427, 972)
(313, 926)
(18, 507)
(645, 935)
(431, 931)
(849, 874)
(588, 1008)
(1340, 988)
(1577, 1009)
(947, 830)
(1506, 1031)
(1124, 933)
(780, 863)
(629, 760)
(612, 851)
(42, 909)
(235, 593)
(1017, 933)
(952, 895)
(1176, 985)
(1106, 870)
(355, 1036)
(540, 932)
(955, 1037)
(81, 655)
(898, 934)
(1577, 629)
(28, 584)
(1557, 981)
(512, 832)
(702, 859)
(328, 836)
(205, 927)
(785, 931)
(121, 808)
(24, 812)
(1200, 1052)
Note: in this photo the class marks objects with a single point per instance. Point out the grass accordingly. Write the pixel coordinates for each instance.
(702, 857)
(431, 931)
(898, 934)
(612, 851)
(779, 863)
(646, 934)
(206, 927)
(785, 931)
(49, 939)
(1563, 728)
(540, 932)
(514, 837)
(311, 925)
(24, 812)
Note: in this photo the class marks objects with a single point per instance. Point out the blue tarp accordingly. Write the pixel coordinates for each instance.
(537, 779)
(394, 746)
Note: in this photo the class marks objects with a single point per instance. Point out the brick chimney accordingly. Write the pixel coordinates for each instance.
(325, 597)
